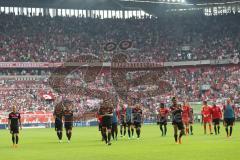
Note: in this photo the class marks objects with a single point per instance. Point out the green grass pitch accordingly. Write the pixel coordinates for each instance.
(42, 144)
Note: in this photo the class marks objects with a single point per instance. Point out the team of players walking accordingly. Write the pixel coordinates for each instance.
(182, 119)
(132, 117)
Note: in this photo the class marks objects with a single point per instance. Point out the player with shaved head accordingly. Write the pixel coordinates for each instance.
(229, 117)
(14, 122)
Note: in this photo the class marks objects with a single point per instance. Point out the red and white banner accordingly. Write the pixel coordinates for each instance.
(29, 65)
(55, 65)
(46, 95)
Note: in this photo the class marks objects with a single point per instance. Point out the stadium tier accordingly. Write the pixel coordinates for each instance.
(173, 38)
(193, 84)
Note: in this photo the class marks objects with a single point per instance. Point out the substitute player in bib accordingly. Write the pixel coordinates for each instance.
(207, 117)
(68, 120)
(137, 119)
(191, 120)
(115, 125)
(129, 122)
(162, 116)
(177, 121)
(229, 117)
(14, 122)
(58, 116)
(216, 115)
(186, 116)
(123, 123)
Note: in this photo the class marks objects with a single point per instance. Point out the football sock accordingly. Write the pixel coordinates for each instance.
(109, 136)
(17, 139)
(191, 129)
(112, 134)
(105, 136)
(59, 135)
(138, 132)
(13, 139)
(215, 129)
(181, 134)
(67, 134)
(218, 129)
(176, 137)
(70, 135)
(165, 129)
(132, 131)
(129, 133)
(161, 129)
(116, 133)
(231, 129)
(226, 130)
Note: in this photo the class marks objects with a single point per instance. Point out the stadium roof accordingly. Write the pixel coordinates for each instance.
(71, 4)
(150, 6)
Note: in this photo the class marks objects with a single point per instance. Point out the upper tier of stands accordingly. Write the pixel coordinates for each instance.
(173, 38)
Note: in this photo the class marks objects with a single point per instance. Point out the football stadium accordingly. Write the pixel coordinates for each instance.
(116, 79)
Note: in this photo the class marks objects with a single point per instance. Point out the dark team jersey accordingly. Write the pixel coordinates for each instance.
(122, 113)
(101, 111)
(99, 117)
(176, 114)
(106, 111)
(58, 114)
(191, 114)
(137, 115)
(14, 118)
(68, 116)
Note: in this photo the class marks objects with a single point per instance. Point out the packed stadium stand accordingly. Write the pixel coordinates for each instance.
(193, 48)
(46, 39)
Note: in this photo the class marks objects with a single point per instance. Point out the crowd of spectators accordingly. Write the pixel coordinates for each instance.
(193, 84)
(22, 72)
(169, 38)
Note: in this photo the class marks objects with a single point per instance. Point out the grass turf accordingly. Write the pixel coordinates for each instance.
(42, 144)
